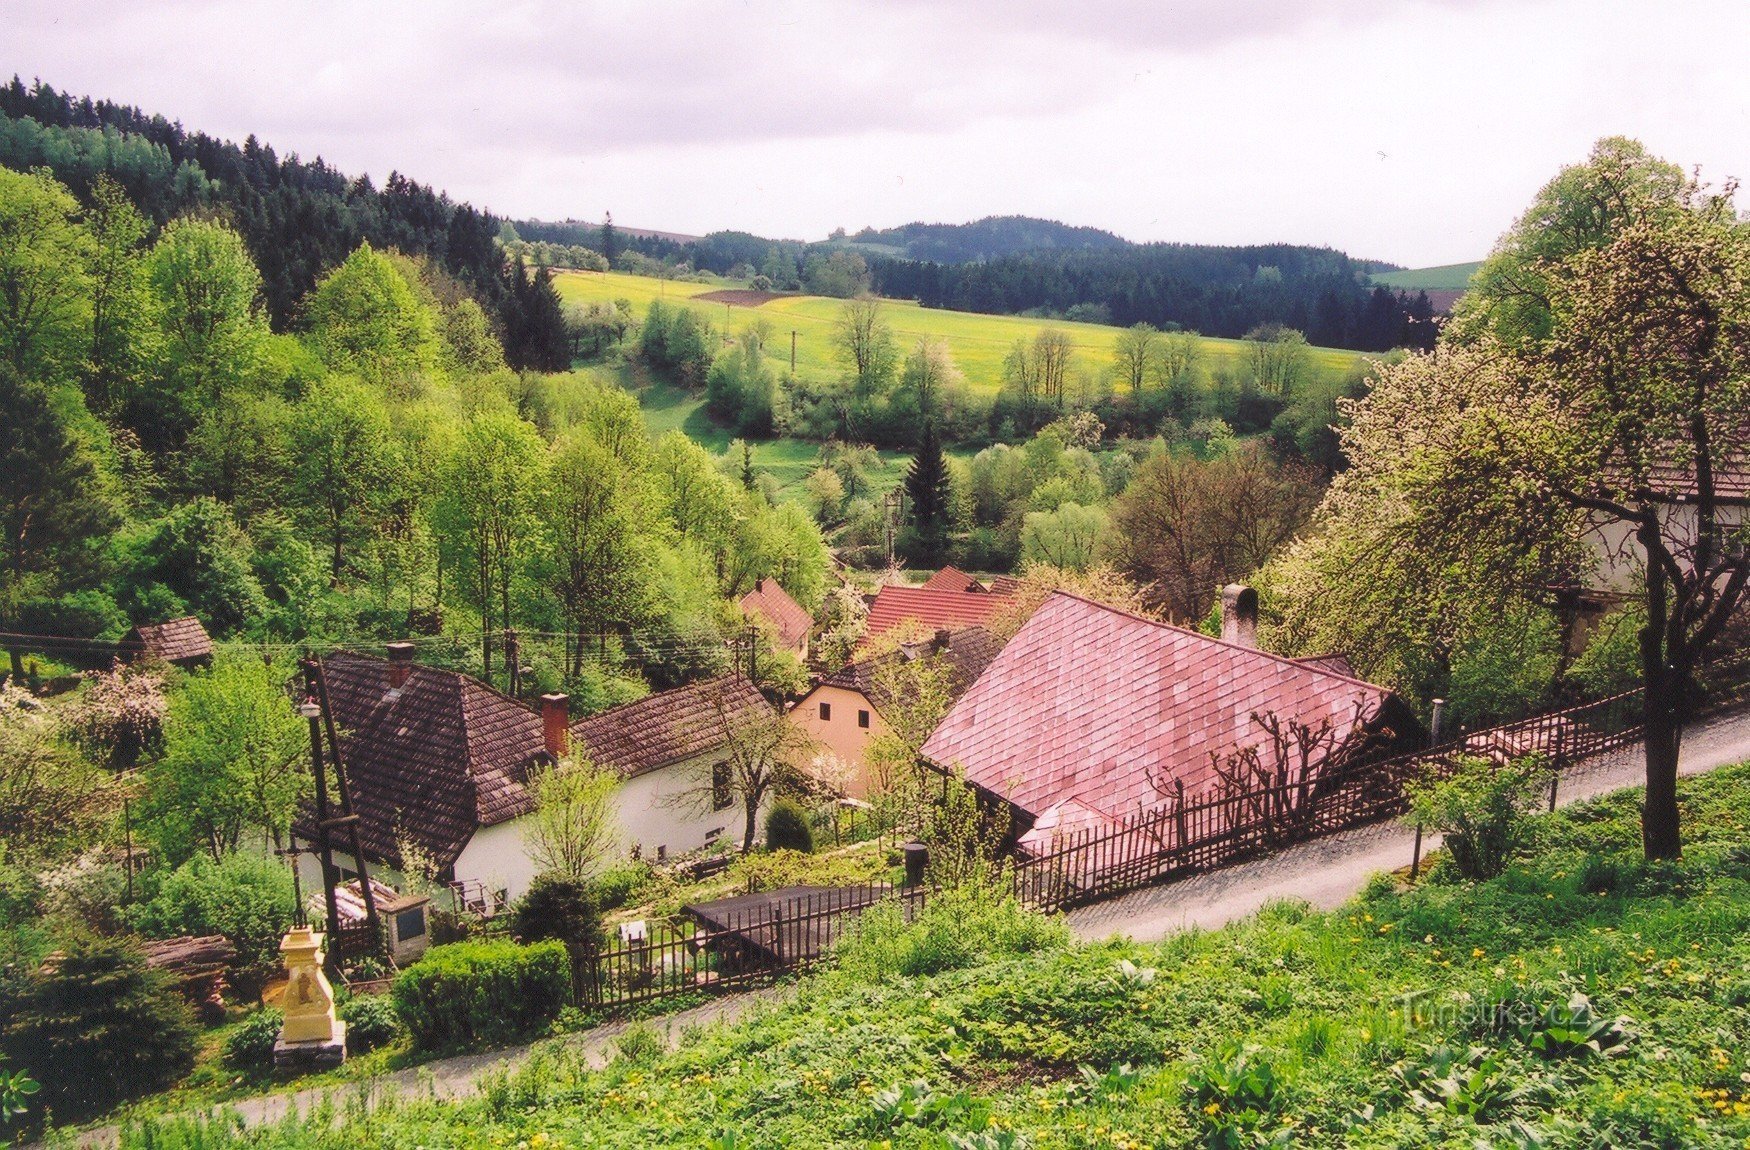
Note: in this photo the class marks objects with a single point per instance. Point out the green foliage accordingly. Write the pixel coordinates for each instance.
(371, 1021)
(787, 828)
(16, 1089)
(1482, 809)
(45, 306)
(365, 319)
(250, 1045)
(954, 929)
(1235, 1093)
(195, 560)
(1504, 670)
(102, 1028)
(560, 908)
(1611, 660)
(1574, 1029)
(244, 896)
(481, 993)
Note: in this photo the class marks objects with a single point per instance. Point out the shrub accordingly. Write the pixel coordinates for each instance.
(619, 883)
(787, 828)
(559, 908)
(246, 897)
(1234, 1093)
(102, 1028)
(371, 1021)
(472, 993)
(1483, 809)
(251, 1044)
(640, 1044)
(955, 930)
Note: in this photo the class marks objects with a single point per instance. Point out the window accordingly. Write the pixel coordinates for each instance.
(826, 712)
(721, 798)
(410, 923)
(863, 719)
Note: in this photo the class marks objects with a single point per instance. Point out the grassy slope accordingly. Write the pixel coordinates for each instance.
(1449, 277)
(978, 342)
(1346, 1009)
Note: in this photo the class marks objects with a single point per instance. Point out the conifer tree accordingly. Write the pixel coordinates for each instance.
(926, 489)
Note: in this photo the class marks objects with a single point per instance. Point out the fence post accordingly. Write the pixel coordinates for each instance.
(1436, 721)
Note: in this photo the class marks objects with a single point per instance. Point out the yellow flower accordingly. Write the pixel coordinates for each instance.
(1476, 952)
(1212, 1109)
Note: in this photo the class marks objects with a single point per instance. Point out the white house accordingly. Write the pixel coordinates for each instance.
(439, 762)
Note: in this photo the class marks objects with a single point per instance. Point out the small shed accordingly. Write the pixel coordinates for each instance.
(406, 931)
(180, 642)
(783, 928)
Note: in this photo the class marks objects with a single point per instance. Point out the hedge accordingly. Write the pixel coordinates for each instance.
(474, 993)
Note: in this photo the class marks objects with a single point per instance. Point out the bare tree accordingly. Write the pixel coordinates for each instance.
(1275, 779)
(865, 343)
(1136, 354)
(1052, 351)
(762, 749)
(573, 829)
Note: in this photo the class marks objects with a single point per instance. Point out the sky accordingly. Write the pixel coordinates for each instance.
(1405, 130)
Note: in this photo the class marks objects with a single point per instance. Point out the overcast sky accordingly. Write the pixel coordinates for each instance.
(1406, 130)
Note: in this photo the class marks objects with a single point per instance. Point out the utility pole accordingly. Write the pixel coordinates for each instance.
(317, 689)
(891, 500)
(792, 353)
(512, 664)
(312, 711)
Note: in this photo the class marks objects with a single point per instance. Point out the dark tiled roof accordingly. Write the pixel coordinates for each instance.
(436, 760)
(177, 641)
(1336, 663)
(666, 728)
(772, 603)
(894, 604)
(968, 652)
(1099, 712)
(1005, 585)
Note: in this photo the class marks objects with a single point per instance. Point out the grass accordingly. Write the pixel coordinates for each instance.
(978, 342)
(1583, 999)
(1447, 277)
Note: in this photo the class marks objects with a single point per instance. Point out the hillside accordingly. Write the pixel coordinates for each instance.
(978, 343)
(1447, 277)
(1583, 999)
(990, 238)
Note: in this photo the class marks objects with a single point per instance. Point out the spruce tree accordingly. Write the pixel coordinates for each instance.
(926, 489)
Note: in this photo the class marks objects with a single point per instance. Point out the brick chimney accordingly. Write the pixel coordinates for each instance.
(400, 664)
(1239, 615)
(556, 725)
(939, 642)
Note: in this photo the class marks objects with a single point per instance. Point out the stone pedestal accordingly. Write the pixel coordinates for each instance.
(311, 1034)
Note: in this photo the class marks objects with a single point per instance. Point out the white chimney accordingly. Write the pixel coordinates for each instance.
(1239, 615)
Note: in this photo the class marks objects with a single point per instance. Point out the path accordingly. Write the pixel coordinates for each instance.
(461, 1075)
(1327, 872)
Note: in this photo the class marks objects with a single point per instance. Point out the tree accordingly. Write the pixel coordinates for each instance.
(826, 494)
(233, 761)
(44, 283)
(120, 714)
(610, 238)
(345, 464)
(853, 462)
(865, 345)
(194, 559)
(601, 564)
(927, 492)
(1184, 528)
(365, 318)
(1052, 352)
(1278, 357)
(55, 515)
(1136, 355)
(119, 315)
(207, 292)
(929, 373)
(762, 749)
(487, 512)
(573, 830)
(48, 794)
(1068, 537)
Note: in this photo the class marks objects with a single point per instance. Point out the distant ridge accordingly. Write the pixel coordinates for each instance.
(1446, 277)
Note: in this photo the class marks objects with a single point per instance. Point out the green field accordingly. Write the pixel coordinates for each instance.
(978, 342)
(1448, 277)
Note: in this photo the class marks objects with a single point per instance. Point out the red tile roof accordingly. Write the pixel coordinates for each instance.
(952, 579)
(966, 653)
(936, 610)
(772, 603)
(176, 641)
(658, 730)
(1005, 585)
(1093, 713)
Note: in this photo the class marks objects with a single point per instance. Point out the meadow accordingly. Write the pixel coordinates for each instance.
(1447, 277)
(1583, 999)
(978, 342)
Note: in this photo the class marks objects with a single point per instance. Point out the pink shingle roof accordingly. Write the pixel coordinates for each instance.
(953, 579)
(936, 610)
(1099, 712)
(772, 603)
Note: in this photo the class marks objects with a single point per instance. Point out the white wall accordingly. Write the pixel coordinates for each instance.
(497, 857)
(663, 808)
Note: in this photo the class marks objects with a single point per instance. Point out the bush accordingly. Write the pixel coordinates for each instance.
(956, 929)
(102, 1028)
(371, 1022)
(482, 993)
(250, 1046)
(787, 828)
(619, 883)
(245, 897)
(1483, 810)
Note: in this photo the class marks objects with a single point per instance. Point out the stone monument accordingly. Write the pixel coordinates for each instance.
(311, 1035)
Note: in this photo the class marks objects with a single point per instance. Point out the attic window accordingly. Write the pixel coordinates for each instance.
(826, 712)
(863, 719)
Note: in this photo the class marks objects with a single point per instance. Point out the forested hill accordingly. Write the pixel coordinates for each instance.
(990, 238)
(1223, 291)
(298, 218)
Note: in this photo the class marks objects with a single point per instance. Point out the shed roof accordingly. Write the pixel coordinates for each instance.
(769, 601)
(669, 727)
(966, 653)
(934, 609)
(183, 640)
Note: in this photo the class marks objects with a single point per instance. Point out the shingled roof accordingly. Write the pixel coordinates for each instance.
(771, 602)
(436, 759)
(966, 653)
(178, 641)
(951, 578)
(894, 604)
(666, 728)
(1091, 714)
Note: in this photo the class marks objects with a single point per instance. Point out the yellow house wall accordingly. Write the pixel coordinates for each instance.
(840, 735)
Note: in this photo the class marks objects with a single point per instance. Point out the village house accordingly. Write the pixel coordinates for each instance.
(845, 710)
(1091, 714)
(439, 762)
(929, 609)
(179, 642)
(790, 622)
